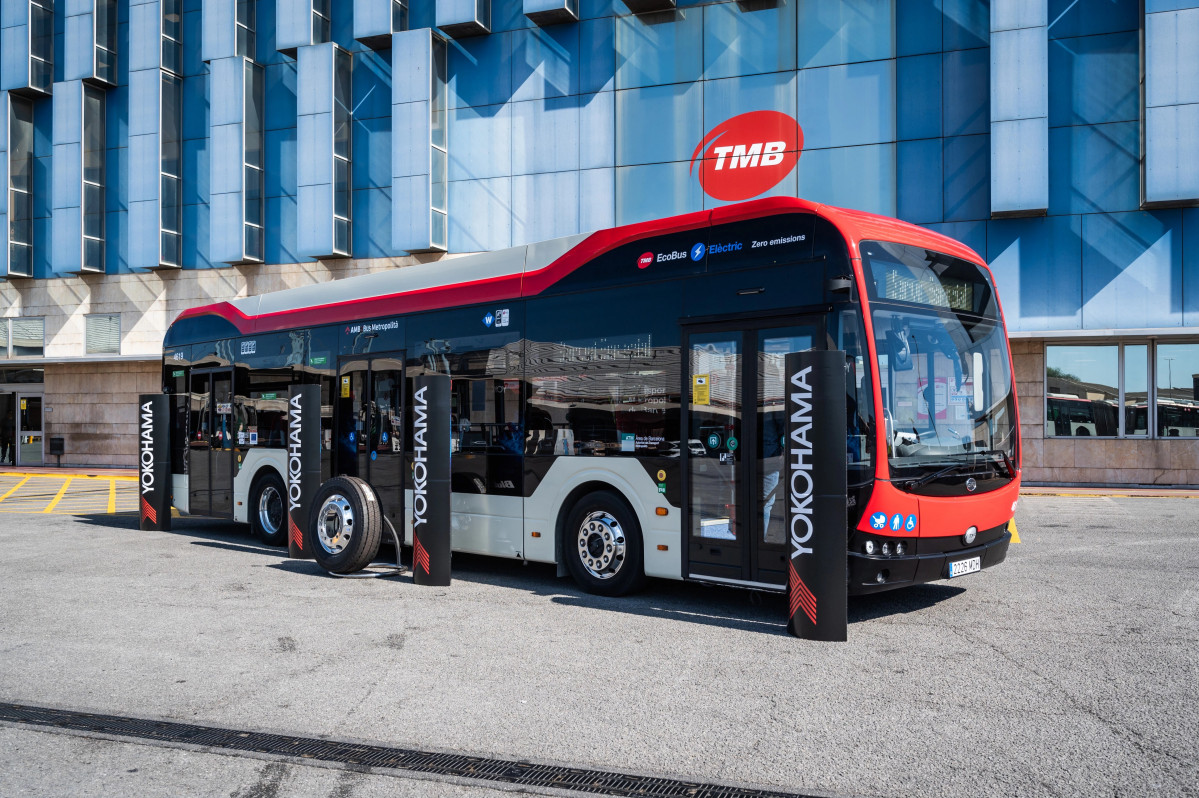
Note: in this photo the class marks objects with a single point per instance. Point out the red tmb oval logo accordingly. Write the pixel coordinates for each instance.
(747, 155)
(645, 260)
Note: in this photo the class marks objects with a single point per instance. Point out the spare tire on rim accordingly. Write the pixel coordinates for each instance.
(346, 525)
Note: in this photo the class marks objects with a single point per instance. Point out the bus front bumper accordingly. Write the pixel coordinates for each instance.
(864, 570)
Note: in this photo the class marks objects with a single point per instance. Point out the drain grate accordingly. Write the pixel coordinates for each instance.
(526, 774)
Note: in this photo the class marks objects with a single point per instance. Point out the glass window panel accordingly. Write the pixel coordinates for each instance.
(20, 211)
(20, 153)
(1081, 391)
(172, 59)
(106, 26)
(253, 195)
(341, 188)
(172, 19)
(846, 31)
(437, 189)
(243, 42)
(102, 334)
(93, 135)
(20, 259)
(342, 75)
(437, 229)
(28, 337)
(253, 114)
(106, 65)
(3, 337)
(93, 254)
(341, 236)
(399, 16)
(41, 32)
(1136, 389)
(93, 210)
(253, 242)
(171, 123)
(437, 95)
(170, 203)
(245, 13)
(170, 244)
(1178, 390)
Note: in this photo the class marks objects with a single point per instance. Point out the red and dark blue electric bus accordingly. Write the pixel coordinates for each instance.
(617, 397)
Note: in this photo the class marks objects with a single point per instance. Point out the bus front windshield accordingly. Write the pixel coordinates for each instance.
(944, 370)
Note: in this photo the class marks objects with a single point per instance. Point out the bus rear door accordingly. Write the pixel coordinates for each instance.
(368, 426)
(211, 443)
(735, 422)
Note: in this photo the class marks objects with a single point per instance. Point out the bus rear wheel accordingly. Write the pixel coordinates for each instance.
(268, 510)
(346, 525)
(602, 545)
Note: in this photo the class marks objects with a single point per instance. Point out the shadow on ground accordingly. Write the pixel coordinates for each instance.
(689, 602)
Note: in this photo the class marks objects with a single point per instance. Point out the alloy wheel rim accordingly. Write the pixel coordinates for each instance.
(601, 544)
(335, 524)
(270, 509)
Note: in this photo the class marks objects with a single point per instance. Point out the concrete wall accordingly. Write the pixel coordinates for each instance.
(95, 410)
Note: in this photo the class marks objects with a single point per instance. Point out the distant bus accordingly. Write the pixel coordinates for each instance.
(618, 397)
(1069, 415)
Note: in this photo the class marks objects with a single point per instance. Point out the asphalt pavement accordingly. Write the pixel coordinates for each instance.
(1069, 670)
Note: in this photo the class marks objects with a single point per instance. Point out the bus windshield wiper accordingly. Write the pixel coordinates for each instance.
(946, 471)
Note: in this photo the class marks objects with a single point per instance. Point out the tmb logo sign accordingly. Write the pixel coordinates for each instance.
(747, 155)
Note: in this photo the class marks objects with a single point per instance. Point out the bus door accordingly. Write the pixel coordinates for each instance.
(211, 440)
(368, 426)
(734, 453)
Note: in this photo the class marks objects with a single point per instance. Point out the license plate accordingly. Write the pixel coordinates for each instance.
(963, 567)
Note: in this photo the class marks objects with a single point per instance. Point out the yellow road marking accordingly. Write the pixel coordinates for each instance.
(58, 496)
(14, 489)
(112, 495)
(1011, 525)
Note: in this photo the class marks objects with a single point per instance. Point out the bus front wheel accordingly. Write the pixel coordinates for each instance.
(602, 545)
(268, 509)
(347, 525)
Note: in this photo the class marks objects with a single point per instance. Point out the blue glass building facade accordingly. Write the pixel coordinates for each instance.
(180, 151)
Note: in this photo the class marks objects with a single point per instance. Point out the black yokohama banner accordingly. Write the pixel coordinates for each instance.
(816, 590)
(154, 460)
(303, 472)
(431, 480)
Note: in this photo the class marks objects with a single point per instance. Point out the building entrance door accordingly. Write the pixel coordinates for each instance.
(211, 441)
(736, 425)
(8, 429)
(29, 429)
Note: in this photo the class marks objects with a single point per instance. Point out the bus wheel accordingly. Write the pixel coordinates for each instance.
(347, 525)
(602, 545)
(268, 510)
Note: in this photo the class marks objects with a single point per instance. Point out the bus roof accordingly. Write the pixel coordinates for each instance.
(526, 270)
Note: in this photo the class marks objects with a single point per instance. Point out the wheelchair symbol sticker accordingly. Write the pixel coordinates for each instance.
(911, 524)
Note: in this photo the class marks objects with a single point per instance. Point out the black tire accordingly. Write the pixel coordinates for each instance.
(601, 541)
(268, 509)
(346, 525)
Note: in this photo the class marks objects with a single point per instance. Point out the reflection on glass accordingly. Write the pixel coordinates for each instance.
(713, 435)
(1081, 391)
(1178, 390)
(1136, 389)
(773, 348)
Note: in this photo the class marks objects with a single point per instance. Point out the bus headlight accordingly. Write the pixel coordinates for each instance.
(886, 549)
(869, 547)
(970, 535)
(899, 548)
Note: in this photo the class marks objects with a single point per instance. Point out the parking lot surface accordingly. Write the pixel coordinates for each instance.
(66, 494)
(1069, 670)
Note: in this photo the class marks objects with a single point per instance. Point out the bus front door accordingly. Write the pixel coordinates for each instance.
(736, 422)
(368, 427)
(211, 443)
